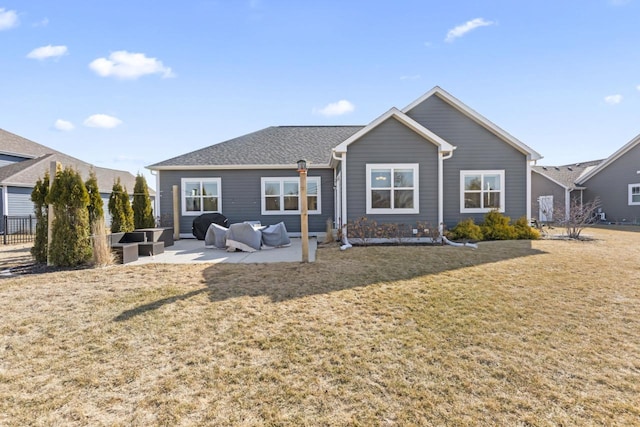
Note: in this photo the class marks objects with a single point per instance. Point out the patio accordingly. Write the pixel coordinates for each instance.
(193, 251)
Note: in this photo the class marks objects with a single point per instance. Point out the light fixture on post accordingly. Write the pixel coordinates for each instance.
(304, 216)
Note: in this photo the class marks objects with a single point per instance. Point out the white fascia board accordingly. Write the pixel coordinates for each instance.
(612, 158)
(234, 167)
(443, 145)
(478, 118)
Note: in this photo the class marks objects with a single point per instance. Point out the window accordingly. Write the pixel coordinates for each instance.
(634, 194)
(281, 196)
(481, 191)
(201, 195)
(392, 188)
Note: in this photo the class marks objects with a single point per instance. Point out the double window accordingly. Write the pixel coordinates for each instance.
(201, 195)
(392, 188)
(481, 191)
(634, 194)
(281, 196)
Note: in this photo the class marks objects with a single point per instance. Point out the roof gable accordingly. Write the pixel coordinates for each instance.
(442, 145)
(476, 117)
(609, 160)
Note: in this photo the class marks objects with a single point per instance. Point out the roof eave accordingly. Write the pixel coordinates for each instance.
(612, 158)
(292, 166)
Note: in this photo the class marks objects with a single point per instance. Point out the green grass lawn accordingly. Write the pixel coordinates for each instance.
(513, 333)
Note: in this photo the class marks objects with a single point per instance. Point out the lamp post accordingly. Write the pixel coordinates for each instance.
(304, 216)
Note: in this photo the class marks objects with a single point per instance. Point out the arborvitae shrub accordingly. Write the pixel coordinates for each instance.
(466, 230)
(142, 211)
(524, 230)
(95, 208)
(496, 227)
(70, 243)
(41, 210)
(120, 209)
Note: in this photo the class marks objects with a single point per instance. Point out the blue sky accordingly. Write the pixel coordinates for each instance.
(124, 84)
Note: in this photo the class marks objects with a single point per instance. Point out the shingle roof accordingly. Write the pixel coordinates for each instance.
(11, 143)
(27, 172)
(567, 175)
(276, 145)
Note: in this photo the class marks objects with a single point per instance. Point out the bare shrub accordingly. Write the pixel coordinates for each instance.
(580, 215)
(102, 255)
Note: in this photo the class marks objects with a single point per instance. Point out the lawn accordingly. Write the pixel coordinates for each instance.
(513, 333)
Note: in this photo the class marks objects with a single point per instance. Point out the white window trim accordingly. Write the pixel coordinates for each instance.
(630, 199)
(183, 197)
(282, 179)
(463, 173)
(416, 192)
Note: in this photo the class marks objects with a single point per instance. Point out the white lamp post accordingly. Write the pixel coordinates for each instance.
(304, 216)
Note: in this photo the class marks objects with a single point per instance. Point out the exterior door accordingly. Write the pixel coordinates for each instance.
(545, 204)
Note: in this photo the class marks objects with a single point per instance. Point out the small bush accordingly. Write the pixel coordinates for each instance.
(95, 208)
(466, 230)
(496, 227)
(524, 231)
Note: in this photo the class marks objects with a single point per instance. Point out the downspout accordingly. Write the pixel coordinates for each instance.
(343, 168)
(441, 158)
(567, 203)
(528, 184)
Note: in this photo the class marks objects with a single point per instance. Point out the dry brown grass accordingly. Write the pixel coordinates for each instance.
(513, 333)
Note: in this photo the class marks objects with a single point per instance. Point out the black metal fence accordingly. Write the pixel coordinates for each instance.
(17, 229)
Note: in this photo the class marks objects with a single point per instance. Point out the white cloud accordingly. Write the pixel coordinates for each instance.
(102, 121)
(613, 99)
(8, 19)
(336, 108)
(42, 23)
(463, 29)
(49, 51)
(128, 65)
(63, 125)
(638, 87)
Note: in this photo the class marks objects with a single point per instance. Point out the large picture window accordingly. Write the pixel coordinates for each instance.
(392, 188)
(481, 191)
(201, 195)
(634, 194)
(281, 196)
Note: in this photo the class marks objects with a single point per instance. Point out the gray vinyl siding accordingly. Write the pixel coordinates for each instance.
(477, 149)
(393, 142)
(19, 202)
(543, 186)
(7, 159)
(611, 185)
(241, 197)
(1, 210)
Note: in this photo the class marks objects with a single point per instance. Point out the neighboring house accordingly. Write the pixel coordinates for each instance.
(436, 161)
(554, 187)
(23, 162)
(616, 182)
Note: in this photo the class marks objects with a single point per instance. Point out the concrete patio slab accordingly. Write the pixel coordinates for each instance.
(186, 251)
